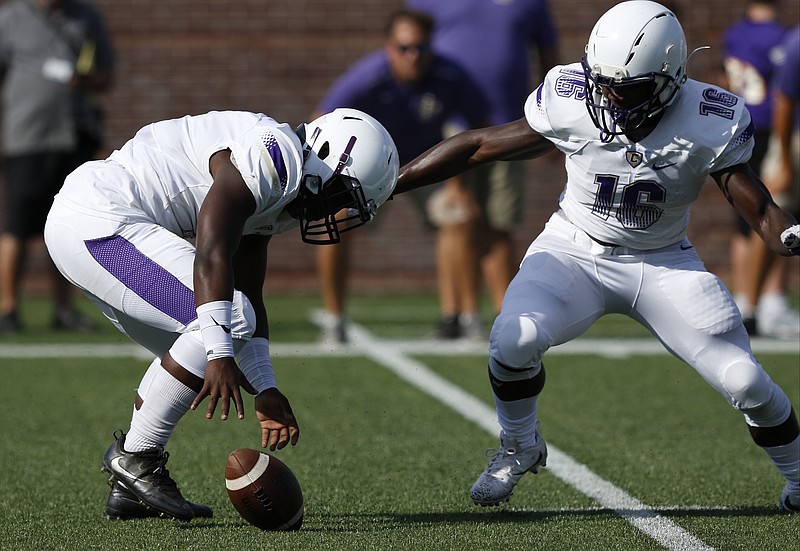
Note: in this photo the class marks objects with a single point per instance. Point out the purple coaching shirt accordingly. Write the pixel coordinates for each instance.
(751, 52)
(490, 39)
(415, 116)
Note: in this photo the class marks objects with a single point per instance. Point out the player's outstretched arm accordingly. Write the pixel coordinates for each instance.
(506, 142)
(751, 199)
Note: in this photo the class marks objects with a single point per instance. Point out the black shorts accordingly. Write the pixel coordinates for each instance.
(31, 182)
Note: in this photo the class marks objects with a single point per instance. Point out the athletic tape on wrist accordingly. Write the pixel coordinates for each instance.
(256, 365)
(215, 326)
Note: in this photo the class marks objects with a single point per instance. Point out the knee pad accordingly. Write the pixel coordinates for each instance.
(771, 413)
(517, 341)
(751, 390)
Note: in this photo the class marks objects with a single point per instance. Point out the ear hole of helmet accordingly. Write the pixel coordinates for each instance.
(324, 151)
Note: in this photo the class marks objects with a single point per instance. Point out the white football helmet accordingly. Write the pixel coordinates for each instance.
(350, 162)
(638, 50)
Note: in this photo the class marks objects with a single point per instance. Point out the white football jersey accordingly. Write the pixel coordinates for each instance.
(638, 194)
(169, 165)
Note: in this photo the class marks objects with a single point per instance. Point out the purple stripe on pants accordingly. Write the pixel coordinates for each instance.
(143, 276)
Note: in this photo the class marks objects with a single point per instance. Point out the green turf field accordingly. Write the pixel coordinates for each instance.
(385, 464)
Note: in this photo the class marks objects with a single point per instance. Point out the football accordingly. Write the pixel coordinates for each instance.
(264, 490)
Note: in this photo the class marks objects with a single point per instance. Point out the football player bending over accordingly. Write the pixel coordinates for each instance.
(639, 138)
(120, 228)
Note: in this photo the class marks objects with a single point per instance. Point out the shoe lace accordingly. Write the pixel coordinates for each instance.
(161, 472)
(502, 455)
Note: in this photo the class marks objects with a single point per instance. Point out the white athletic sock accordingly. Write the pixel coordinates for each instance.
(787, 459)
(166, 400)
(518, 420)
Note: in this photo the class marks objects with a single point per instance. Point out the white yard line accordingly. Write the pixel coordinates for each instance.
(577, 475)
(607, 347)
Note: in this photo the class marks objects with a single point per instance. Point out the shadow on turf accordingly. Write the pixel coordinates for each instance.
(383, 521)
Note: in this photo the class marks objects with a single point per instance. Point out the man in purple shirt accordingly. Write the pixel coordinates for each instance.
(759, 278)
(417, 95)
(492, 39)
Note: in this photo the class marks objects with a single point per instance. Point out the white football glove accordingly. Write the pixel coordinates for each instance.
(791, 239)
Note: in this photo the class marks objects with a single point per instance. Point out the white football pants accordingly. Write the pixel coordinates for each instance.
(141, 276)
(567, 281)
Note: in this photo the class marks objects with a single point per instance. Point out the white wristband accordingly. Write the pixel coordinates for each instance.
(215, 326)
(256, 364)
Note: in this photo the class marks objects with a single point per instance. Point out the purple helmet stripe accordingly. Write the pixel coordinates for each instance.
(154, 284)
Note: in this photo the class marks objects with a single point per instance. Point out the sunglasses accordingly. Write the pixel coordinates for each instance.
(422, 48)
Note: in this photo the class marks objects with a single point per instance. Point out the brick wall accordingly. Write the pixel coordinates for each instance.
(279, 57)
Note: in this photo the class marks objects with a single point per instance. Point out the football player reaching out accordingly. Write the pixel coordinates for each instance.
(120, 230)
(639, 139)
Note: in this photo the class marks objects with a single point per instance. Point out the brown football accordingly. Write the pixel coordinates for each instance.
(264, 490)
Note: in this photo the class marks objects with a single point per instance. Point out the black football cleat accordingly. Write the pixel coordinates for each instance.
(122, 504)
(145, 475)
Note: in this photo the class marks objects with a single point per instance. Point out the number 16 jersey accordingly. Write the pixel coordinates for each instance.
(631, 194)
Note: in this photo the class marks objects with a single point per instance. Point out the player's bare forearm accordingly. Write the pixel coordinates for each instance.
(751, 199)
(219, 230)
(506, 142)
(250, 270)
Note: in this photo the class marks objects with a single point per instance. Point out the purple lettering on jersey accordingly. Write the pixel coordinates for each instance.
(571, 83)
(718, 102)
(143, 276)
(721, 97)
(274, 150)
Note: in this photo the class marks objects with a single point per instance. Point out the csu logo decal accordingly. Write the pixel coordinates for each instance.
(634, 158)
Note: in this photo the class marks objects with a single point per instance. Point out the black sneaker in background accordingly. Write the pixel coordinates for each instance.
(70, 320)
(448, 327)
(9, 323)
(750, 325)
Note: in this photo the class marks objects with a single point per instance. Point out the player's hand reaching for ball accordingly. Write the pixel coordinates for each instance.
(221, 384)
(278, 424)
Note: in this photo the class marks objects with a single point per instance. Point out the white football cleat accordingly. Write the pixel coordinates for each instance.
(790, 500)
(506, 466)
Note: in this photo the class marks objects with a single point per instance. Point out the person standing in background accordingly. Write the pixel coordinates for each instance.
(419, 97)
(492, 39)
(752, 51)
(782, 163)
(55, 58)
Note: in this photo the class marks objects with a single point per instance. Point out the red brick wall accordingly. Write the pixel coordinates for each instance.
(278, 57)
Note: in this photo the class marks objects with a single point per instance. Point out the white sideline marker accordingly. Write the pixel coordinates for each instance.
(577, 475)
